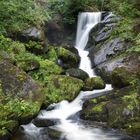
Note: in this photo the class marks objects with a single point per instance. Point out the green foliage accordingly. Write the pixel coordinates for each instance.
(60, 87)
(14, 109)
(17, 15)
(69, 9)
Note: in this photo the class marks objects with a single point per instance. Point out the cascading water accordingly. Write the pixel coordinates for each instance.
(70, 128)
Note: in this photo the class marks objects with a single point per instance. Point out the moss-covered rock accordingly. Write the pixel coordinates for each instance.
(122, 77)
(119, 109)
(67, 59)
(77, 73)
(60, 87)
(94, 83)
(20, 97)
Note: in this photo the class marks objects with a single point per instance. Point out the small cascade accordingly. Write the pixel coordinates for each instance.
(63, 112)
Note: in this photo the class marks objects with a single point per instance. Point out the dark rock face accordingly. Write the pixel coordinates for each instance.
(77, 73)
(59, 33)
(101, 54)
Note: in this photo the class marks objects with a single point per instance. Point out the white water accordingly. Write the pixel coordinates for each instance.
(72, 129)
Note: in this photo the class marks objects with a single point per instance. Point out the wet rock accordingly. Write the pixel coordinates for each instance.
(38, 122)
(77, 73)
(29, 65)
(94, 83)
(67, 59)
(105, 69)
(101, 54)
(130, 62)
(54, 134)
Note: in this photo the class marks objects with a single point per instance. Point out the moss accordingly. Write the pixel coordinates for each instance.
(121, 79)
(60, 87)
(99, 107)
(13, 110)
(94, 83)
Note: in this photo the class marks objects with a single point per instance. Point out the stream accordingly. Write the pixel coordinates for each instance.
(65, 115)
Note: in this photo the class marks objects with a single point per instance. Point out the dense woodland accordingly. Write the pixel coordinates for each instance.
(35, 34)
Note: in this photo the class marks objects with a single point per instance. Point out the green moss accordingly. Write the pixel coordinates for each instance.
(13, 110)
(66, 54)
(99, 107)
(60, 87)
(94, 83)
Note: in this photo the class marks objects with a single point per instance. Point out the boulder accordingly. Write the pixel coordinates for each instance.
(67, 59)
(110, 49)
(122, 77)
(77, 73)
(129, 61)
(32, 33)
(94, 83)
(62, 87)
(21, 97)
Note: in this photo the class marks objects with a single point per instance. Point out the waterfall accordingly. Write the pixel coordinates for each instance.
(63, 112)
(86, 21)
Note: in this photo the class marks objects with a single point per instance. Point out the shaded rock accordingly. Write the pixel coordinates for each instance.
(58, 32)
(67, 59)
(94, 83)
(54, 134)
(38, 122)
(122, 77)
(32, 33)
(29, 65)
(77, 73)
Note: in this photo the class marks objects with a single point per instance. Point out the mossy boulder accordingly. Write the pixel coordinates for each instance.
(119, 109)
(122, 77)
(94, 83)
(77, 73)
(61, 87)
(67, 59)
(20, 97)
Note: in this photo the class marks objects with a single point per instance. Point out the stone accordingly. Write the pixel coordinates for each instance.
(21, 97)
(67, 59)
(77, 73)
(94, 83)
(122, 77)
